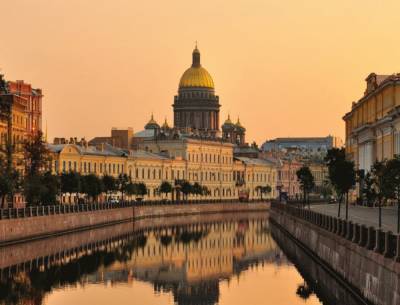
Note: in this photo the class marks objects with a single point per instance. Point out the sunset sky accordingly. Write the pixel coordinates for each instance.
(288, 68)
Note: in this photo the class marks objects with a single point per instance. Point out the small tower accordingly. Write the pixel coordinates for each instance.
(240, 133)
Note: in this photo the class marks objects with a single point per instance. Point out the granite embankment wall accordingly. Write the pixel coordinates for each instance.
(376, 277)
(26, 228)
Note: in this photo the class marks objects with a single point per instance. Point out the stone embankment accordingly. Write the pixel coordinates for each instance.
(365, 258)
(18, 225)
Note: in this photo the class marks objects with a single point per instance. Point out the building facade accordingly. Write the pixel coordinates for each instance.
(303, 147)
(210, 164)
(373, 123)
(33, 103)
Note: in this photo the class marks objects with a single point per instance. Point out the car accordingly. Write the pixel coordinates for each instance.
(113, 200)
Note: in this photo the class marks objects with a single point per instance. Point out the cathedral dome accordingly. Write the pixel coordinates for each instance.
(228, 125)
(152, 124)
(196, 76)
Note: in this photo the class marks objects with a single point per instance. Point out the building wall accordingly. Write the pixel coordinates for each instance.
(33, 99)
(373, 124)
(211, 165)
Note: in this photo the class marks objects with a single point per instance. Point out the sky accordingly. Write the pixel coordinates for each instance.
(287, 68)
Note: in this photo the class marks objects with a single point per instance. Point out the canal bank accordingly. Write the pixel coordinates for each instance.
(351, 254)
(28, 224)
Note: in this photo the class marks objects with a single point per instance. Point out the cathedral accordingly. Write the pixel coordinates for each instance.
(196, 107)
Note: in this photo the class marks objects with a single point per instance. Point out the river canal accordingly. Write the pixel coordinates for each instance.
(225, 259)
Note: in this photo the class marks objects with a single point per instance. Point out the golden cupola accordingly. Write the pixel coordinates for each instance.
(196, 107)
(196, 76)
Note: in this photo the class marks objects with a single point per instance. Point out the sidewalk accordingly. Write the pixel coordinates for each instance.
(362, 215)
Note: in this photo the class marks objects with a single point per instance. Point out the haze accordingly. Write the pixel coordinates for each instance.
(288, 68)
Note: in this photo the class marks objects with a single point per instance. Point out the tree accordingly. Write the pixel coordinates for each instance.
(342, 174)
(197, 189)
(50, 188)
(36, 155)
(42, 189)
(304, 291)
(380, 185)
(130, 189)
(263, 190)
(9, 182)
(186, 189)
(368, 190)
(165, 188)
(392, 177)
(140, 189)
(70, 183)
(92, 186)
(122, 181)
(306, 180)
(109, 184)
(6, 115)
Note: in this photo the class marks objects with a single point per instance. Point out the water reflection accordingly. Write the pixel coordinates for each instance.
(189, 261)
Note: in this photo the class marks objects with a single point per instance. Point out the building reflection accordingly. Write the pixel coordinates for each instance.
(188, 261)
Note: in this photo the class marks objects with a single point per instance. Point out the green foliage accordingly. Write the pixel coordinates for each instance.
(41, 189)
(36, 155)
(70, 182)
(50, 189)
(342, 174)
(140, 189)
(186, 188)
(392, 178)
(165, 188)
(379, 180)
(306, 179)
(263, 190)
(92, 186)
(368, 190)
(109, 183)
(9, 181)
(122, 182)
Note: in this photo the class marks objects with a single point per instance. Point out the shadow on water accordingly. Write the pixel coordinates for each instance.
(187, 260)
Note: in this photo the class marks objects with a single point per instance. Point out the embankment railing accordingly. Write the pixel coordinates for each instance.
(383, 242)
(45, 210)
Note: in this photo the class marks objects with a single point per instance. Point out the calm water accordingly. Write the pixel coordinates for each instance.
(215, 259)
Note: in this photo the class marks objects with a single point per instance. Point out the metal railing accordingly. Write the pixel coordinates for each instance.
(383, 242)
(45, 210)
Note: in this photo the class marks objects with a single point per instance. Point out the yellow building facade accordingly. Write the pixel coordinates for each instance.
(373, 124)
(210, 163)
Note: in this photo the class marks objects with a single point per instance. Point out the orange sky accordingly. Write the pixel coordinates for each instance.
(288, 68)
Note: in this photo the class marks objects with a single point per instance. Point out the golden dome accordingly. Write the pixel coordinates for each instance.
(196, 75)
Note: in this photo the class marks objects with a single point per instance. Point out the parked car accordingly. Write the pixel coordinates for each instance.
(332, 200)
(113, 200)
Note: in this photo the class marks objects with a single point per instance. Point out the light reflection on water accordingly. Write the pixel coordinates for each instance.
(231, 261)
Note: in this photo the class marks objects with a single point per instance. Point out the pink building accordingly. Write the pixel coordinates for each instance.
(287, 178)
(33, 100)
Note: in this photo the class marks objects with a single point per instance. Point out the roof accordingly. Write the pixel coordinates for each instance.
(146, 133)
(107, 150)
(147, 155)
(256, 161)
